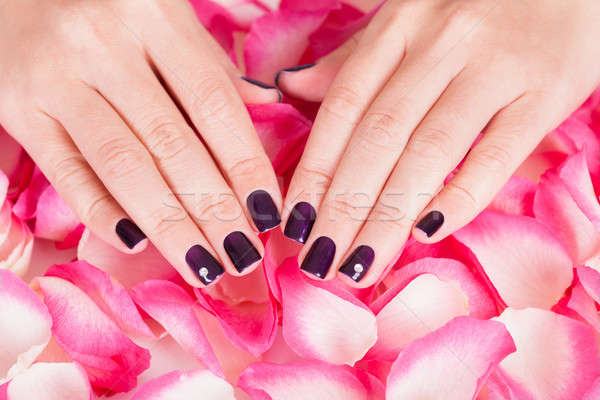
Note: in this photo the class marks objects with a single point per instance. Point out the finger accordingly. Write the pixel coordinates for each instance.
(310, 82)
(129, 173)
(184, 163)
(69, 173)
(208, 96)
(366, 71)
(434, 149)
(507, 141)
(377, 143)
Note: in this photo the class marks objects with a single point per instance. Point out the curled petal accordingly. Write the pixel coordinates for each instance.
(516, 197)
(321, 321)
(108, 294)
(173, 308)
(51, 381)
(450, 363)
(54, 218)
(526, 264)
(590, 280)
(26, 325)
(424, 305)
(16, 242)
(565, 201)
(179, 385)
(3, 187)
(111, 360)
(300, 381)
(557, 357)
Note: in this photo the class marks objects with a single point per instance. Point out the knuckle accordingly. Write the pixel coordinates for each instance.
(121, 158)
(341, 98)
(70, 172)
(164, 139)
(494, 157)
(246, 168)
(166, 220)
(380, 131)
(390, 218)
(94, 211)
(430, 144)
(209, 97)
(466, 195)
(339, 207)
(315, 175)
(220, 207)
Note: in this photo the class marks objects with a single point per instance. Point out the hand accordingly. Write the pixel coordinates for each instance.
(412, 94)
(98, 93)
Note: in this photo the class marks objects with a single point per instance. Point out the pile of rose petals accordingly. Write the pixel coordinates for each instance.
(506, 308)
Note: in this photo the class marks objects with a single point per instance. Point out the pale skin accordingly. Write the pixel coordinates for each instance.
(89, 85)
(405, 100)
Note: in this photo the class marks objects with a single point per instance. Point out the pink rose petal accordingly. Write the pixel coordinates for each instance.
(26, 325)
(452, 362)
(51, 381)
(566, 203)
(516, 197)
(173, 308)
(424, 305)
(557, 357)
(278, 40)
(128, 269)
(179, 385)
(16, 242)
(321, 321)
(590, 280)
(3, 187)
(526, 264)
(111, 360)
(108, 294)
(54, 218)
(301, 381)
(594, 392)
(249, 326)
(26, 205)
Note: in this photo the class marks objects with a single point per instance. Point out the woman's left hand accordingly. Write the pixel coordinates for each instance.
(412, 94)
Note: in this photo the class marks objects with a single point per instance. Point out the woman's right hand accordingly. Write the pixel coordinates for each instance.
(98, 93)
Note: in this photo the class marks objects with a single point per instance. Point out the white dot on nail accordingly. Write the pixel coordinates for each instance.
(358, 268)
(203, 272)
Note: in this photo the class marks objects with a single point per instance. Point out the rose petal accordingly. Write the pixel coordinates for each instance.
(516, 197)
(111, 360)
(278, 40)
(26, 205)
(3, 187)
(590, 280)
(179, 385)
(452, 362)
(108, 294)
(594, 392)
(173, 308)
(128, 269)
(26, 325)
(321, 321)
(302, 380)
(54, 218)
(557, 357)
(16, 242)
(424, 305)
(566, 203)
(526, 264)
(249, 326)
(51, 381)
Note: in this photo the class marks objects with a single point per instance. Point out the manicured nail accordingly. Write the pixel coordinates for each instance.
(357, 265)
(319, 257)
(292, 69)
(129, 233)
(431, 223)
(300, 222)
(263, 210)
(204, 265)
(240, 250)
(264, 86)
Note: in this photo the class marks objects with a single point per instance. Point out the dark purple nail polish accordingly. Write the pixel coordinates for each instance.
(204, 265)
(129, 233)
(263, 210)
(240, 250)
(358, 263)
(264, 86)
(431, 223)
(319, 257)
(300, 222)
(292, 69)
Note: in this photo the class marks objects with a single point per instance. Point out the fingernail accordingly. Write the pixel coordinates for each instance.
(240, 250)
(292, 69)
(204, 265)
(129, 233)
(319, 257)
(300, 222)
(264, 86)
(358, 263)
(263, 210)
(431, 223)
